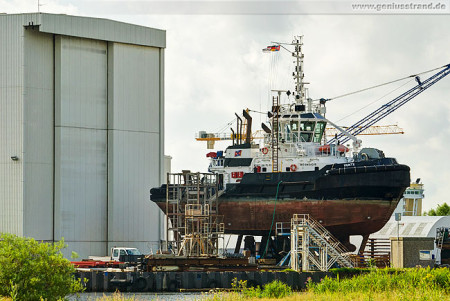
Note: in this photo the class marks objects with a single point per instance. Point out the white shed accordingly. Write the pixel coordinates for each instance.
(413, 226)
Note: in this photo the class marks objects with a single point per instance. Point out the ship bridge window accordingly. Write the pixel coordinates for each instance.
(306, 137)
(307, 126)
(294, 128)
(289, 131)
(307, 130)
(318, 133)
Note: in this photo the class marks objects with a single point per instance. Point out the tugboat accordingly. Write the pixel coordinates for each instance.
(350, 190)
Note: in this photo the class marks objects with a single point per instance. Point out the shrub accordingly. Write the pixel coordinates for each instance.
(275, 289)
(33, 271)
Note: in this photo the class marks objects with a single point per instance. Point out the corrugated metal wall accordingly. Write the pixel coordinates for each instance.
(38, 135)
(85, 118)
(133, 144)
(11, 128)
(81, 143)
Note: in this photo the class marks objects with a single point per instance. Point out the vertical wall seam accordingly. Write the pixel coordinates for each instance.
(21, 201)
(54, 140)
(107, 146)
(161, 131)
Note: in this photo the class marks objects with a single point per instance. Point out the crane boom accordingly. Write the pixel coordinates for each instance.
(391, 106)
(391, 129)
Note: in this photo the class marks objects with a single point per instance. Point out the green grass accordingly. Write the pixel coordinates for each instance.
(385, 280)
(273, 290)
(367, 284)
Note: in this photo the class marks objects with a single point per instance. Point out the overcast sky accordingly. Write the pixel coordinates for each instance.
(215, 67)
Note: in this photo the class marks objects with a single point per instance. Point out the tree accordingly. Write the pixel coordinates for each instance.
(30, 270)
(441, 210)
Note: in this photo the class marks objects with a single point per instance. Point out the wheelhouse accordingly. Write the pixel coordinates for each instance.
(301, 128)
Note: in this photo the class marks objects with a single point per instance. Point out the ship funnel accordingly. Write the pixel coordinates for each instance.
(232, 135)
(238, 129)
(248, 135)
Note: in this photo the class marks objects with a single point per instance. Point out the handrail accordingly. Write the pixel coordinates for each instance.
(323, 237)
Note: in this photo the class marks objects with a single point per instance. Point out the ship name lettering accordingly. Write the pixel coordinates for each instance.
(307, 164)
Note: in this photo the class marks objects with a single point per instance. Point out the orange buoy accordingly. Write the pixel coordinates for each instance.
(293, 167)
(265, 150)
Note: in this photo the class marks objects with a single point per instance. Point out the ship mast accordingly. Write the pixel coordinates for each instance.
(298, 73)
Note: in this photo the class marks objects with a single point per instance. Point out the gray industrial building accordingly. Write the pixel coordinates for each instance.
(81, 131)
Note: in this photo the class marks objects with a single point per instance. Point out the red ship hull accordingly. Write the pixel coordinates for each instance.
(341, 217)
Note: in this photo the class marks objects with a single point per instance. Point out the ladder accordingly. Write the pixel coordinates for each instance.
(315, 248)
(275, 132)
(441, 234)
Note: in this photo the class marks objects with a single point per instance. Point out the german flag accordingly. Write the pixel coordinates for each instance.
(271, 48)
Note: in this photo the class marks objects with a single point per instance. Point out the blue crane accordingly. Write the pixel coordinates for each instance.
(391, 106)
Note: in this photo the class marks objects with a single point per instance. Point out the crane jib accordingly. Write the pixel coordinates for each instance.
(391, 106)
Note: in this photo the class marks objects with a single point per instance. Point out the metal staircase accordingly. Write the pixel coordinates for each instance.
(315, 248)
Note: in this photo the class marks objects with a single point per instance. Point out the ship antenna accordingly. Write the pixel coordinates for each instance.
(298, 74)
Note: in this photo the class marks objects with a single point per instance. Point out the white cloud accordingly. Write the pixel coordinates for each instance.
(31, 6)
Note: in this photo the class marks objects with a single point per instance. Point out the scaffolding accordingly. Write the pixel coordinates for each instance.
(315, 248)
(194, 227)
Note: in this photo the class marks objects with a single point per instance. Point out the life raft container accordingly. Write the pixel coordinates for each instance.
(326, 148)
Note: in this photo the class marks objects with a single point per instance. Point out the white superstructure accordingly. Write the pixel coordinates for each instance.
(294, 141)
